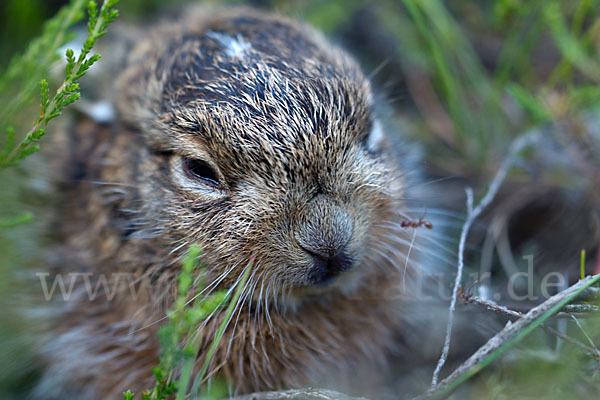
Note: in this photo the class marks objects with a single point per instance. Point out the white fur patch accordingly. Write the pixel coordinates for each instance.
(235, 47)
(375, 136)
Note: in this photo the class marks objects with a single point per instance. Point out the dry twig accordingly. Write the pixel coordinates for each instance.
(472, 213)
(502, 340)
(497, 308)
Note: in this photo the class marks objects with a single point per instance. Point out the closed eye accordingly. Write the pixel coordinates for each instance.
(200, 170)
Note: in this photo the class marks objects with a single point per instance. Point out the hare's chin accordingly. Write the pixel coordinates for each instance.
(345, 283)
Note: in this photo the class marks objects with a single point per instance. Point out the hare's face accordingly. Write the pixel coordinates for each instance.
(267, 154)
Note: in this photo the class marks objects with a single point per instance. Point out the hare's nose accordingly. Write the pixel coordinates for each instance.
(323, 230)
(323, 270)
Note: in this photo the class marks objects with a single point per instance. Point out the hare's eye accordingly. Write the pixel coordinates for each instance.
(200, 170)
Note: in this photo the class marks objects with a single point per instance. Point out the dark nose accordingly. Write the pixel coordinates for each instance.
(325, 269)
(323, 230)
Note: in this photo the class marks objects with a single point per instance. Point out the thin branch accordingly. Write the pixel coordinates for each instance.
(511, 333)
(570, 315)
(581, 308)
(497, 308)
(507, 312)
(592, 351)
(585, 333)
(472, 213)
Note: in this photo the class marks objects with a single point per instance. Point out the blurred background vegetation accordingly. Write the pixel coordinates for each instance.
(462, 79)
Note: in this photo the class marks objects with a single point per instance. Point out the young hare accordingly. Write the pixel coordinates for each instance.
(250, 135)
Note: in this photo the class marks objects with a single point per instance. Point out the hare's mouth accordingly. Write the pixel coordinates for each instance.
(339, 274)
(325, 270)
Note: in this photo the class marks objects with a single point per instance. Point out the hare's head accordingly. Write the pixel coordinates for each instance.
(262, 144)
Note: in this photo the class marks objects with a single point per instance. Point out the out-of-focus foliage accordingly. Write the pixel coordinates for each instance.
(27, 71)
(39, 57)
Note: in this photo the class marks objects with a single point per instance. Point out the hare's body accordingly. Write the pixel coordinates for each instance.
(250, 135)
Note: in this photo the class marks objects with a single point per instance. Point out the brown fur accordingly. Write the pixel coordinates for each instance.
(283, 120)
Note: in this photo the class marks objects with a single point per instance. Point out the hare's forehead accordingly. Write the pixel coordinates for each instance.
(282, 127)
(238, 91)
(286, 114)
(245, 72)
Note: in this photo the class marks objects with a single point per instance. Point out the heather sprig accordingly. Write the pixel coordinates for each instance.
(67, 92)
(179, 339)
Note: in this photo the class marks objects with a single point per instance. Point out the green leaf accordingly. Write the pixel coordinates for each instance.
(189, 263)
(93, 14)
(582, 264)
(44, 93)
(70, 99)
(86, 65)
(529, 102)
(110, 3)
(36, 135)
(87, 47)
(70, 63)
(11, 222)
(568, 44)
(73, 87)
(54, 114)
(112, 15)
(26, 152)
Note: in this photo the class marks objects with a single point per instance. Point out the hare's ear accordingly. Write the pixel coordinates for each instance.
(98, 86)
